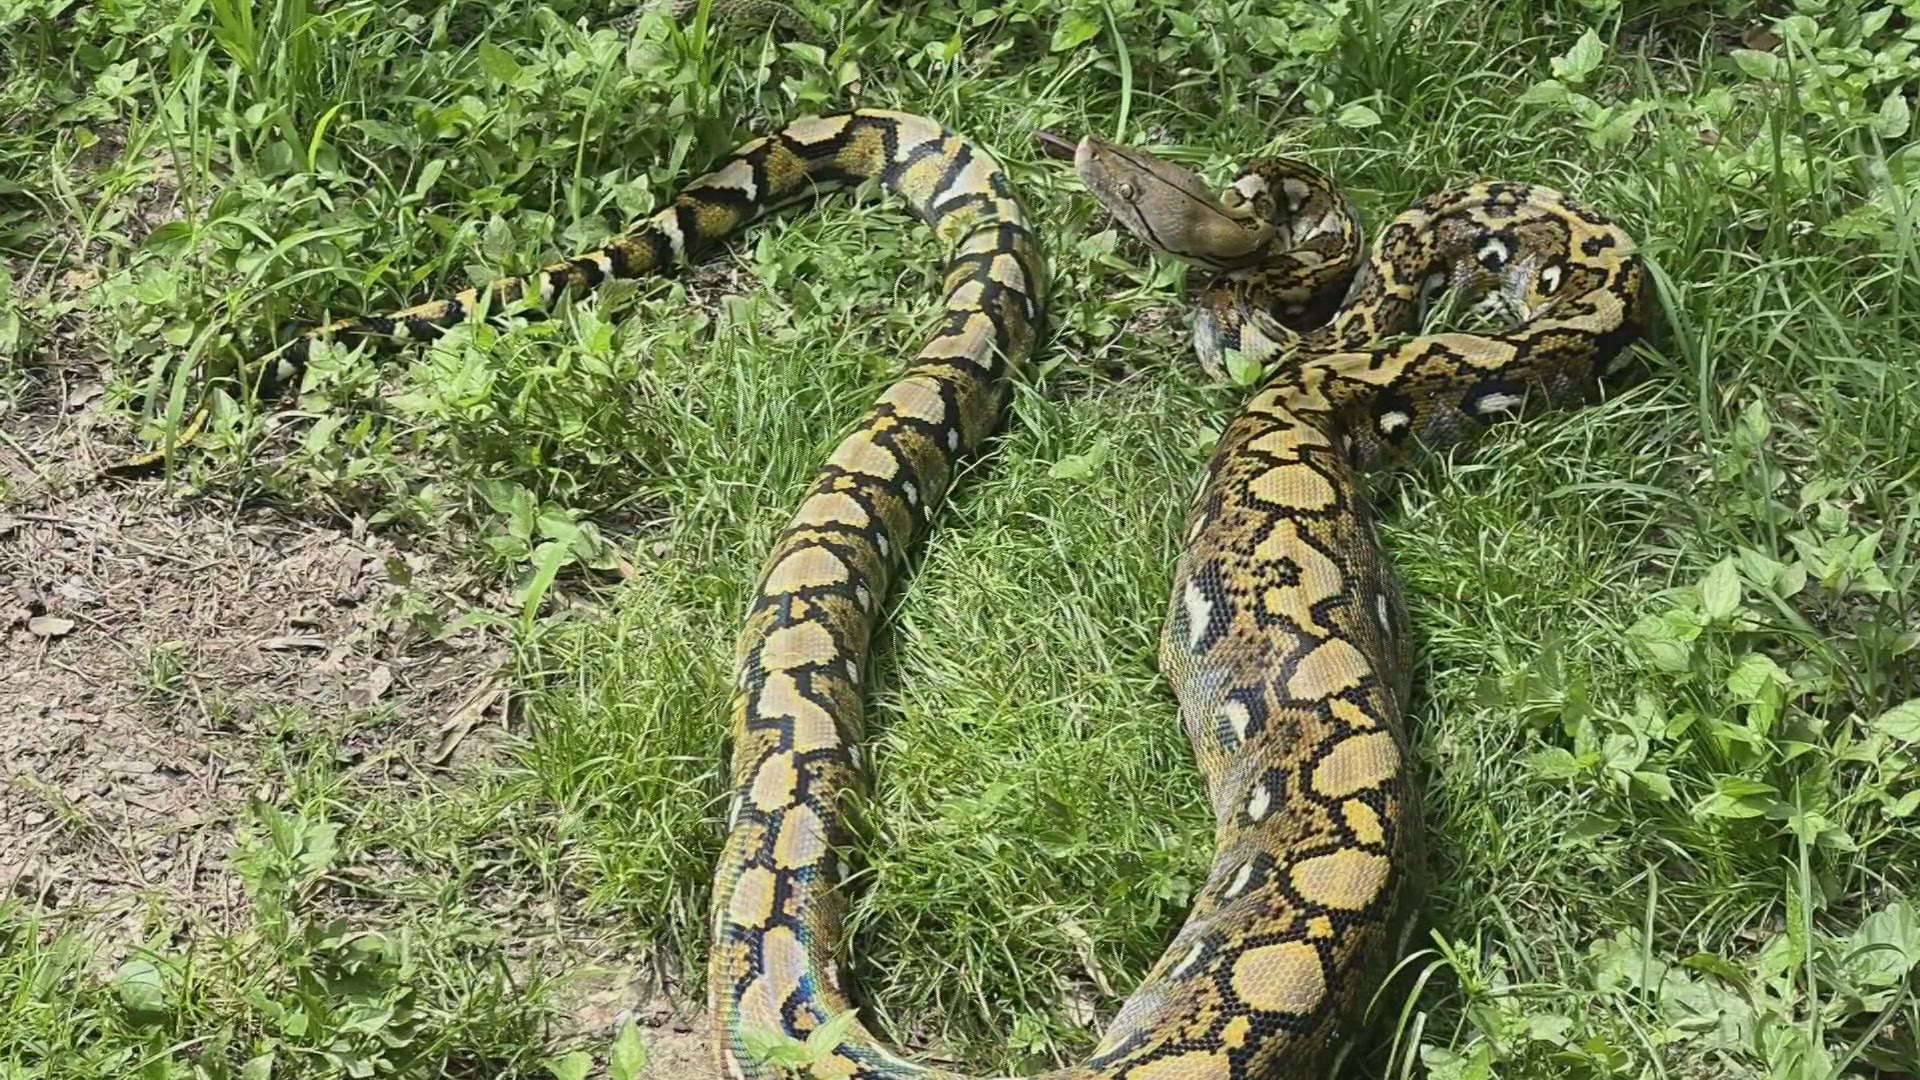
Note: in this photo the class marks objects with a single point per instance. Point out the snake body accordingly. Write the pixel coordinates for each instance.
(1286, 640)
(812, 156)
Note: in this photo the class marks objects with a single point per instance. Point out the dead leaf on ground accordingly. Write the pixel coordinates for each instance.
(50, 626)
(464, 718)
(372, 688)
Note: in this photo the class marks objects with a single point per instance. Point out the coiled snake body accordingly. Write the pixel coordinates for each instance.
(1286, 637)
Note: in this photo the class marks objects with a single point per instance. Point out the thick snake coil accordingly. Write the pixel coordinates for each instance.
(1286, 639)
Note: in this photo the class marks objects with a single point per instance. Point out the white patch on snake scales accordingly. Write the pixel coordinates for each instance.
(813, 129)
(1193, 957)
(1498, 403)
(1550, 280)
(1251, 186)
(669, 225)
(1391, 422)
(736, 175)
(953, 439)
(1199, 613)
(1237, 718)
(1494, 253)
(912, 493)
(853, 672)
(1297, 192)
(1259, 802)
(1239, 882)
(1386, 622)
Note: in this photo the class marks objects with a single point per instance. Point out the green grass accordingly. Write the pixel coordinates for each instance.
(1663, 641)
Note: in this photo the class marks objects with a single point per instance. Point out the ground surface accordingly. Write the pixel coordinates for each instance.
(310, 771)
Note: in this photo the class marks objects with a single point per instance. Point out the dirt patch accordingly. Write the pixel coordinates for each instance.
(152, 645)
(160, 651)
(675, 1035)
(677, 1047)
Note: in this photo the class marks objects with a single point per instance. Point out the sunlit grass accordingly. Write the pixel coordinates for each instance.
(1662, 817)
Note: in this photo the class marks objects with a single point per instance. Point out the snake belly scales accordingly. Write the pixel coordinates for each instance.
(1285, 642)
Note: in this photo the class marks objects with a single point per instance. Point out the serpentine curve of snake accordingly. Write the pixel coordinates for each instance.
(1285, 641)
(1286, 636)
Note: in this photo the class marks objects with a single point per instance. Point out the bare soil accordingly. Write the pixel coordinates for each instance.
(157, 646)
(152, 644)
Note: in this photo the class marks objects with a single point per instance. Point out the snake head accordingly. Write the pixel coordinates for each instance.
(1173, 210)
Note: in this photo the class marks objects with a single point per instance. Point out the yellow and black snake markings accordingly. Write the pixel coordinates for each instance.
(1286, 635)
(943, 176)
(797, 725)
(1286, 640)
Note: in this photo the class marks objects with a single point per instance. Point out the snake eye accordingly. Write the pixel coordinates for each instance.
(1127, 190)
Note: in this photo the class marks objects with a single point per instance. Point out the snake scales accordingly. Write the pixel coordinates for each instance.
(1286, 638)
(1285, 641)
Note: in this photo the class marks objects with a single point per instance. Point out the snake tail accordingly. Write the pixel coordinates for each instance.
(814, 155)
